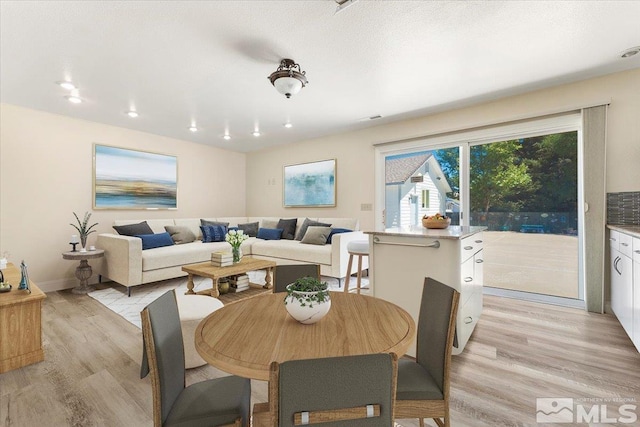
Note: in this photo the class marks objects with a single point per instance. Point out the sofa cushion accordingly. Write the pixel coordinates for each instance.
(350, 223)
(213, 233)
(207, 222)
(292, 250)
(269, 233)
(288, 228)
(150, 241)
(133, 229)
(337, 231)
(308, 223)
(250, 229)
(316, 235)
(269, 223)
(192, 224)
(179, 255)
(180, 234)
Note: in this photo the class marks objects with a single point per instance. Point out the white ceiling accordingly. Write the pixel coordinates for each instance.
(208, 61)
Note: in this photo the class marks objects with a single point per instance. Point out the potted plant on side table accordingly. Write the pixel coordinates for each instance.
(84, 229)
(308, 300)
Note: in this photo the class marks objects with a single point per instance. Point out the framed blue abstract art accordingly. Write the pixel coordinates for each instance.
(310, 184)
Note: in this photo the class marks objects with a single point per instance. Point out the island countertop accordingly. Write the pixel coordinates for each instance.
(633, 230)
(454, 232)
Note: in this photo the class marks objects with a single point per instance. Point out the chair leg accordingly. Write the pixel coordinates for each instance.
(346, 281)
(439, 422)
(421, 422)
(359, 272)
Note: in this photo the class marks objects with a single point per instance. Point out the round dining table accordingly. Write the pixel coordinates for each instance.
(244, 337)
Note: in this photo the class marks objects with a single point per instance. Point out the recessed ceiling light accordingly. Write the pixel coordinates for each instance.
(66, 85)
(288, 125)
(193, 129)
(132, 113)
(74, 99)
(630, 52)
(256, 133)
(227, 136)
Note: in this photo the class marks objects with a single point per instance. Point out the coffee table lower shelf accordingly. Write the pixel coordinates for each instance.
(231, 297)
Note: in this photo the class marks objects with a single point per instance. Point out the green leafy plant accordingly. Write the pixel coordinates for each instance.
(308, 290)
(83, 228)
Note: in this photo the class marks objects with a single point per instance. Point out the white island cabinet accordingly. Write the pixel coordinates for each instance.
(401, 258)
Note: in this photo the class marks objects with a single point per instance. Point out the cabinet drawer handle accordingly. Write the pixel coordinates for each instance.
(468, 320)
(478, 241)
(638, 251)
(479, 260)
(468, 248)
(624, 244)
(612, 239)
(468, 279)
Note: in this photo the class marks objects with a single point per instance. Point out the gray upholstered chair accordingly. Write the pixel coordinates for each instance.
(286, 274)
(423, 385)
(217, 402)
(334, 391)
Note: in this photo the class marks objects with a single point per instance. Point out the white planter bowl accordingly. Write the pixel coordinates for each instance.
(307, 314)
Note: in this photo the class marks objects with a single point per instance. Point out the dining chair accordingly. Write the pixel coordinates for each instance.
(216, 402)
(335, 391)
(423, 384)
(288, 273)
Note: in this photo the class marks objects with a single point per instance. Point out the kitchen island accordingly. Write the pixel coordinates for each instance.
(401, 258)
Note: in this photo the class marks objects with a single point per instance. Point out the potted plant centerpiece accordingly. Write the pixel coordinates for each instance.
(308, 300)
(84, 229)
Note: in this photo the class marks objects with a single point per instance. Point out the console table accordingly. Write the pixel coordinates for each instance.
(20, 323)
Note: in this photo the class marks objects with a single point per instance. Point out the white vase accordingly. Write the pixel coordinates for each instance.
(308, 313)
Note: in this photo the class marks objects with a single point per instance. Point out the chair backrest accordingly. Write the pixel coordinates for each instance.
(334, 391)
(286, 274)
(164, 353)
(436, 329)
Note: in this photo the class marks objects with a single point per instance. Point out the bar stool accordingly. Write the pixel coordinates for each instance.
(359, 248)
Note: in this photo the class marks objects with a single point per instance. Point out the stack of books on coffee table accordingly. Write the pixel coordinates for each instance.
(238, 283)
(221, 259)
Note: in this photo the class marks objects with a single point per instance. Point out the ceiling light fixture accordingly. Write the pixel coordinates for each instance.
(74, 99)
(630, 52)
(132, 113)
(66, 85)
(288, 79)
(288, 125)
(255, 133)
(226, 137)
(193, 128)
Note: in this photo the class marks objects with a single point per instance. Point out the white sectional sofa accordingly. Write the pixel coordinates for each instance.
(127, 264)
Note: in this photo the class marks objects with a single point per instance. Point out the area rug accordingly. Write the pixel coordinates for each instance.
(115, 298)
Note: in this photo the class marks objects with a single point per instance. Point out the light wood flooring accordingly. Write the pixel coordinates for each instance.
(520, 351)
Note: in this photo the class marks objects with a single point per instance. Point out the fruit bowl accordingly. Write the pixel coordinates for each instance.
(436, 223)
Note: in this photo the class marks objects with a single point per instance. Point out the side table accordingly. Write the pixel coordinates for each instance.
(83, 271)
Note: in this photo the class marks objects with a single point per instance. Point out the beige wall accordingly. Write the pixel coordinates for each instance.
(355, 153)
(46, 174)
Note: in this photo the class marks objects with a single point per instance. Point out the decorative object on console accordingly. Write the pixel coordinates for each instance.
(235, 239)
(130, 179)
(310, 184)
(84, 229)
(436, 221)
(288, 79)
(24, 279)
(308, 300)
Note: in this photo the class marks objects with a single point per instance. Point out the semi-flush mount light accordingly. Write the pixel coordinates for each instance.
(226, 137)
(630, 52)
(193, 128)
(288, 125)
(66, 85)
(74, 99)
(288, 79)
(132, 113)
(255, 133)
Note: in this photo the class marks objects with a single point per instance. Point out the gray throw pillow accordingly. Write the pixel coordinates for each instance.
(316, 235)
(133, 229)
(268, 223)
(307, 223)
(250, 228)
(288, 227)
(205, 222)
(180, 234)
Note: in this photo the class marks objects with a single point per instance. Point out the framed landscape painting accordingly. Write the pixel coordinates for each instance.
(310, 184)
(130, 179)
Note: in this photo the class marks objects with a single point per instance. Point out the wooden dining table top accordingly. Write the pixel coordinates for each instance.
(245, 337)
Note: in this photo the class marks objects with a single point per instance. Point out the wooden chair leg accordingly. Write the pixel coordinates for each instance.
(346, 281)
(421, 422)
(359, 272)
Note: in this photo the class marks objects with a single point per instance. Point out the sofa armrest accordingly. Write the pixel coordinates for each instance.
(340, 255)
(122, 258)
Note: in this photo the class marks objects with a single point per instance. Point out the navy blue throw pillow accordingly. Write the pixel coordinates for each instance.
(337, 231)
(213, 233)
(150, 241)
(269, 233)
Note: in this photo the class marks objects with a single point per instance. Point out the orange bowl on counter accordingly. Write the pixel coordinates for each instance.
(436, 223)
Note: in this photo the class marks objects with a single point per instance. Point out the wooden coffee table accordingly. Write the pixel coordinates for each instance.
(247, 264)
